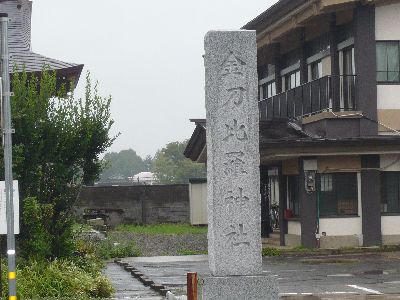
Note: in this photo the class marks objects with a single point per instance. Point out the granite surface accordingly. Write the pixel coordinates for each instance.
(240, 288)
(234, 237)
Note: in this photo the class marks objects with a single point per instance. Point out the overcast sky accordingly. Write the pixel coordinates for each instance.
(146, 54)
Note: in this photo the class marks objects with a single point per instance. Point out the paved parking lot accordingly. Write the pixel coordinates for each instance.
(361, 274)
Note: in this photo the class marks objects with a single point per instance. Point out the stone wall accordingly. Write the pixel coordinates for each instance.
(144, 204)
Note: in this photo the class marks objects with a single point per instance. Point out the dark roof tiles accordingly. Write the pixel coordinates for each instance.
(21, 56)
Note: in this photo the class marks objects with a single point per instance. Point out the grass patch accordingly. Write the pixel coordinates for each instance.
(271, 252)
(112, 249)
(162, 229)
(192, 252)
(114, 246)
(301, 249)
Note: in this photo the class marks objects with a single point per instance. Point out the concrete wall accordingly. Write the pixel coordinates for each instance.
(390, 224)
(341, 232)
(294, 227)
(341, 226)
(387, 22)
(136, 204)
(390, 230)
(388, 107)
(198, 203)
(293, 237)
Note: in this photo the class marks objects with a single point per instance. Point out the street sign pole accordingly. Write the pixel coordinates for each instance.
(7, 132)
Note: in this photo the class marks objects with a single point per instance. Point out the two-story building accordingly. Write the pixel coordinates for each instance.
(329, 98)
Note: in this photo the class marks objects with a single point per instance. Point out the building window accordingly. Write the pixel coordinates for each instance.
(338, 194)
(390, 192)
(316, 70)
(387, 61)
(327, 183)
(292, 80)
(273, 191)
(293, 195)
(348, 65)
(269, 89)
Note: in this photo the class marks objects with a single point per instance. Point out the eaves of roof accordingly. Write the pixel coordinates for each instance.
(273, 14)
(196, 143)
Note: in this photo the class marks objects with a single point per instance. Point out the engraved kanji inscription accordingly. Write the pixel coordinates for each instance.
(233, 81)
(237, 198)
(235, 236)
(235, 96)
(232, 65)
(234, 164)
(235, 130)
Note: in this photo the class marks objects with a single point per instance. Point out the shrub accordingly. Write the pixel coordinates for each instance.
(59, 279)
(271, 252)
(37, 240)
(57, 145)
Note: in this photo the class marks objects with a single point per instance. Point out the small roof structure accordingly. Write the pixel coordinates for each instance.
(21, 54)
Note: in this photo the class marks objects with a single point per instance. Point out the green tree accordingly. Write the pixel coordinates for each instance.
(148, 162)
(57, 143)
(171, 166)
(122, 165)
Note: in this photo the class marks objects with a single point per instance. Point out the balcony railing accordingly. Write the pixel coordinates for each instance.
(329, 93)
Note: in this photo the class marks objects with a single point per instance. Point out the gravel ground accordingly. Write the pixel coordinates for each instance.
(166, 245)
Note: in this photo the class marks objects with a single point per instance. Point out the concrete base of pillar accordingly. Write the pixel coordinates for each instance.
(240, 288)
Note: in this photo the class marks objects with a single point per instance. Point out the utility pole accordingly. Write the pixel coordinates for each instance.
(7, 132)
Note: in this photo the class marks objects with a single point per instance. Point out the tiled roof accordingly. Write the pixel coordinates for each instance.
(21, 56)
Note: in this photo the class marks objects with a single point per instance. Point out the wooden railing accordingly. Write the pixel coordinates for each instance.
(329, 93)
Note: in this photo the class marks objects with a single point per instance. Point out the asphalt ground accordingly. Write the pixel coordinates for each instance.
(334, 275)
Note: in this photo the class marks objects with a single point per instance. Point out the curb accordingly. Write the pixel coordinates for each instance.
(159, 288)
(347, 297)
(325, 252)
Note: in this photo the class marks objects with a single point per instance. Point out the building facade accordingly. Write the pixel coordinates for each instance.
(329, 86)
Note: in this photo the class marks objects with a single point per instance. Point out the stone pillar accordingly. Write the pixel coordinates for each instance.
(233, 175)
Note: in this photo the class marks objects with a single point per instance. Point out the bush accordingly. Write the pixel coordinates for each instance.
(271, 252)
(59, 279)
(37, 240)
(3, 283)
(57, 145)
